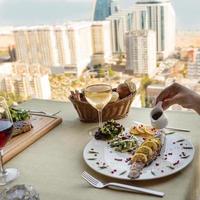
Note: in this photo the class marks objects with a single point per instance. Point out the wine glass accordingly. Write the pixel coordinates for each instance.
(98, 96)
(6, 128)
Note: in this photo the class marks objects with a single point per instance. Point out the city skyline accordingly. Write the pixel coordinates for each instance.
(63, 10)
(136, 43)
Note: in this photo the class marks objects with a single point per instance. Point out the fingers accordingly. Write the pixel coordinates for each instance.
(171, 101)
(168, 92)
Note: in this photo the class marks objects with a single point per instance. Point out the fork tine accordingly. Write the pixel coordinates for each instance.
(94, 180)
(89, 181)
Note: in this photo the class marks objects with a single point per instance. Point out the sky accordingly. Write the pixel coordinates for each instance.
(32, 12)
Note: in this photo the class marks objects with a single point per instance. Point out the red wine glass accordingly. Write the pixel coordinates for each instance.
(6, 128)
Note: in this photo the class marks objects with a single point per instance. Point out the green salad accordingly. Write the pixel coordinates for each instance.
(19, 115)
(124, 143)
(109, 130)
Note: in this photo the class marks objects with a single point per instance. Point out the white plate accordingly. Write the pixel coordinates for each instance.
(106, 156)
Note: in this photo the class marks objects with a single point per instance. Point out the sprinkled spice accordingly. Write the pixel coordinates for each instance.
(176, 163)
(103, 167)
(104, 163)
(93, 152)
(153, 173)
(97, 163)
(165, 158)
(184, 157)
(128, 159)
(157, 164)
(183, 153)
(181, 144)
(122, 173)
(118, 159)
(174, 142)
(171, 167)
(91, 158)
(187, 147)
(180, 140)
(162, 171)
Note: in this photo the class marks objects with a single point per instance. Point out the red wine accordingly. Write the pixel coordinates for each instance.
(5, 132)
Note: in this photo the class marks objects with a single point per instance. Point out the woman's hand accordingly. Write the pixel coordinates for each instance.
(178, 94)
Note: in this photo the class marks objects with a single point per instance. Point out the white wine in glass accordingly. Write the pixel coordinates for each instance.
(98, 96)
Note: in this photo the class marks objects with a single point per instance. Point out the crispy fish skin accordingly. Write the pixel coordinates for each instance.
(137, 167)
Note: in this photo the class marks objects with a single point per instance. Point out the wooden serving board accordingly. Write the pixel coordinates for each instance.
(41, 126)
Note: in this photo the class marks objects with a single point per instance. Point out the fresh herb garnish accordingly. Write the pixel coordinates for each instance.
(109, 130)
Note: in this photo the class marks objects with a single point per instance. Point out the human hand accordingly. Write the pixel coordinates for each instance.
(178, 94)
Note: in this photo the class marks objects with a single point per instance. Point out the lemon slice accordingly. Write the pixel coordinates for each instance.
(145, 150)
(140, 130)
(149, 131)
(134, 131)
(157, 141)
(139, 157)
(151, 144)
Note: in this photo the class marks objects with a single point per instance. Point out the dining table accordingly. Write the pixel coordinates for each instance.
(53, 165)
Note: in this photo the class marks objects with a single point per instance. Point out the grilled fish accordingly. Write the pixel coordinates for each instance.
(145, 154)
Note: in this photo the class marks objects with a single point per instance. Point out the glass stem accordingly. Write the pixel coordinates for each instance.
(100, 118)
(2, 169)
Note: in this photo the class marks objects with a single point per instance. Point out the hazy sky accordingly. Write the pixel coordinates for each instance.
(31, 12)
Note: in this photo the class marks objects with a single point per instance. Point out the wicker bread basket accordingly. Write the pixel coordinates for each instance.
(116, 110)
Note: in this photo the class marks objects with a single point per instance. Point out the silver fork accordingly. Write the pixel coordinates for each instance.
(118, 186)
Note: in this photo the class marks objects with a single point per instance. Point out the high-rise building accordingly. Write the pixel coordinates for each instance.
(141, 52)
(40, 86)
(22, 86)
(36, 45)
(6, 84)
(80, 44)
(101, 42)
(157, 15)
(102, 9)
(62, 45)
(194, 67)
(115, 6)
(47, 51)
(121, 23)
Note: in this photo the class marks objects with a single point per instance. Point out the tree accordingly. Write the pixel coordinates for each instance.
(145, 82)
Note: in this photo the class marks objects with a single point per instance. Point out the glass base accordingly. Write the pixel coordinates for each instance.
(10, 175)
(92, 131)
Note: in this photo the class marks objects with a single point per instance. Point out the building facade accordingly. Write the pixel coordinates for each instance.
(102, 9)
(36, 45)
(80, 44)
(115, 8)
(121, 22)
(101, 42)
(141, 52)
(62, 45)
(194, 67)
(157, 15)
